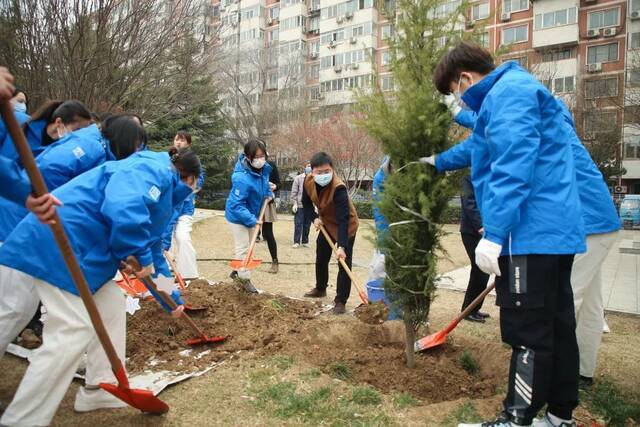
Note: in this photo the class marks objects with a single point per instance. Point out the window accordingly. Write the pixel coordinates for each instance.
(555, 19)
(387, 83)
(564, 85)
(314, 24)
(635, 5)
(315, 93)
(602, 53)
(601, 88)
(357, 31)
(557, 55)
(632, 151)
(601, 121)
(480, 11)
(315, 46)
(315, 71)
(603, 18)
(387, 31)
(274, 12)
(515, 34)
(448, 8)
(483, 39)
(633, 78)
(386, 58)
(514, 5)
(634, 40)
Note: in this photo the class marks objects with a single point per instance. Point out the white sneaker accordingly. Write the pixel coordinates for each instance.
(295, 246)
(92, 399)
(605, 328)
(501, 421)
(546, 422)
(306, 245)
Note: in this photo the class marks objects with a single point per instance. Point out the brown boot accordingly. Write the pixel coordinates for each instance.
(316, 293)
(339, 308)
(274, 267)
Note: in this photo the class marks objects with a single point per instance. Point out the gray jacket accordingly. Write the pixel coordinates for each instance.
(297, 189)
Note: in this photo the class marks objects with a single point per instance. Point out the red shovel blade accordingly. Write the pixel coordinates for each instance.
(430, 341)
(143, 400)
(238, 264)
(205, 340)
(191, 309)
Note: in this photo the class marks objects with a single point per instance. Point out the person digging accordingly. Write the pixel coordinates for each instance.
(324, 190)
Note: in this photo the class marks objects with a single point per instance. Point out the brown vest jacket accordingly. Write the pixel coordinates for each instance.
(326, 207)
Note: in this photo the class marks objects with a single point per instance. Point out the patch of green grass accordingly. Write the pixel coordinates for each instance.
(404, 400)
(340, 370)
(365, 395)
(283, 362)
(608, 401)
(276, 305)
(310, 374)
(465, 413)
(468, 362)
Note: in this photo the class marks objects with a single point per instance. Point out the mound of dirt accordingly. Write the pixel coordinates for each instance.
(373, 314)
(271, 325)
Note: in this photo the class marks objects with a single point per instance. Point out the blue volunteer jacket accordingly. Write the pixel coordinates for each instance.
(7, 147)
(15, 186)
(599, 212)
(187, 208)
(61, 161)
(117, 209)
(248, 191)
(522, 165)
(33, 130)
(378, 188)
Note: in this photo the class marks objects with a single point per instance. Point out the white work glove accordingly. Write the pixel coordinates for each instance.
(165, 284)
(431, 160)
(487, 254)
(452, 104)
(294, 208)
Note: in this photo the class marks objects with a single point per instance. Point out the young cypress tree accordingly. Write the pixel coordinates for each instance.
(410, 124)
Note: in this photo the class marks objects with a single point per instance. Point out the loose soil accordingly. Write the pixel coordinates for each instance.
(373, 314)
(270, 326)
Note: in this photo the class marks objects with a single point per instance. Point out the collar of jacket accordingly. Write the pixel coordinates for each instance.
(474, 96)
(180, 190)
(244, 162)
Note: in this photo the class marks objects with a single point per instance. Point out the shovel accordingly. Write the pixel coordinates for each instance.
(439, 338)
(247, 263)
(187, 307)
(138, 398)
(361, 294)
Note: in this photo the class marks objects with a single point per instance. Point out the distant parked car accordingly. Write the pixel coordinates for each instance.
(630, 211)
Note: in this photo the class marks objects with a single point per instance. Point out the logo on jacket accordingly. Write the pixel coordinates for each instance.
(78, 152)
(154, 193)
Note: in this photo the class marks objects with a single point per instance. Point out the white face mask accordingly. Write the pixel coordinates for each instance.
(62, 132)
(324, 179)
(20, 107)
(258, 162)
(458, 96)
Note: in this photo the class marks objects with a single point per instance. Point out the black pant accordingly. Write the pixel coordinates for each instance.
(323, 256)
(537, 320)
(477, 279)
(302, 227)
(267, 233)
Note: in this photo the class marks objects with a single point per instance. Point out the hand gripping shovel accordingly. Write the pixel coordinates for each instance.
(187, 307)
(361, 294)
(439, 338)
(138, 398)
(247, 263)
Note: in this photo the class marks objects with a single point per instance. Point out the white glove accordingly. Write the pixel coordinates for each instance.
(487, 254)
(431, 160)
(165, 284)
(294, 208)
(132, 305)
(452, 104)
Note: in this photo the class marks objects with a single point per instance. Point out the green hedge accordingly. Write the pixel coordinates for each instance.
(365, 209)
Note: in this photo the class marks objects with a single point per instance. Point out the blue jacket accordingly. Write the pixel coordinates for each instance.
(599, 212)
(522, 165)
(378, 188)
(466, 118)
(248, 191)
(115, 210)
(15, 186)
(61, 161)
(34, 131)
(7, 147)
(187, 208)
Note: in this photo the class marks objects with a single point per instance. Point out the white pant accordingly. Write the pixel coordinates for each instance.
(586, 281)
(186, 260)
(18, 303)
(67, 334)
(242, 239)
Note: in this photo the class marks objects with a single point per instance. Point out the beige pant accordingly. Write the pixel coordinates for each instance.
(18, 303)
(186, 259)
(586, 281)
(242, 239)
(67, 334)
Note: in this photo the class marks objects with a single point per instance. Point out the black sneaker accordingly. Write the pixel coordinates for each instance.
(316, 293)
(483, 314)
(585, 382)
(248, 287)
(233, 275)
(339, 308)
(475, 317)
(501, 421)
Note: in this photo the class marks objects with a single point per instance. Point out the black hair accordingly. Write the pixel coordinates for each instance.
(464, 57)
(67, 111)
(183, 134)
(186, 161)
(320, 159)
(252, 147)
(17, 90)
(125, 136)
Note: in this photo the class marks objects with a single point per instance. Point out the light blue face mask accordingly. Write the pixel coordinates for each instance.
(324, 179)
(20, 107)
(307, 170)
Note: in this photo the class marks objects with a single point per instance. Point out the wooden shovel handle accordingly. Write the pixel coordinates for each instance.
(247, 258)
(172, 264)
(39, 189)
(470, 307)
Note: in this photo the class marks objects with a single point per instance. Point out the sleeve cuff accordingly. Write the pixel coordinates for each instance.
(145, 258)
(439, 165)
(492, 237)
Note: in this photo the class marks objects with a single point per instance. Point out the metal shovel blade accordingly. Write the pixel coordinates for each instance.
(143, 400)
(205, 340)
(238, 264)
(430, 341)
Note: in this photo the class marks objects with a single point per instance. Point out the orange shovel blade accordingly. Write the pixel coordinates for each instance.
(205, 340)
(239, 264)
(143, 400)
(430, 341)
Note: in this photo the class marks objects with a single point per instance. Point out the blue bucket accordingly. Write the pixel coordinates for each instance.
(375, 291)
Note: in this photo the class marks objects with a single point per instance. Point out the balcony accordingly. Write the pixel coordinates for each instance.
(555, 23)
(565, 35)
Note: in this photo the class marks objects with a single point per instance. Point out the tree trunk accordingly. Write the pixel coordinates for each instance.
(410, 339)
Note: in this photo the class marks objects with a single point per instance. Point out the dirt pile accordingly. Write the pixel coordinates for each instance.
(373, 314)
(271, 325)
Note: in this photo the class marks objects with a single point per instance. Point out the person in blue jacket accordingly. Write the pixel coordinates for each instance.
(378, 187)
(182, 224)
(50, 122)
(524, 176)
(249, 189)
(116, 210)
(601, 226)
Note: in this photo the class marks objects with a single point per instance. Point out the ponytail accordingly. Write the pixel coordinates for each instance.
(186, 161)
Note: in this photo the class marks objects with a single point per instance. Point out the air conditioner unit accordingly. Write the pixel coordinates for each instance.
(593, 33)
(353, 40)
(355, 66)
(313, 55)
(337, 68)
(349, 15)
(594, 68)
(620, 189)
(505, 16)
(635, 15)
(332, 44)
(609, 32)
(340, 20)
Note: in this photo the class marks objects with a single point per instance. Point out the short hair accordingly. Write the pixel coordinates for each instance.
(320, 159)
(183, 134)
(464, 57)
(124, 134)
(252, 146)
